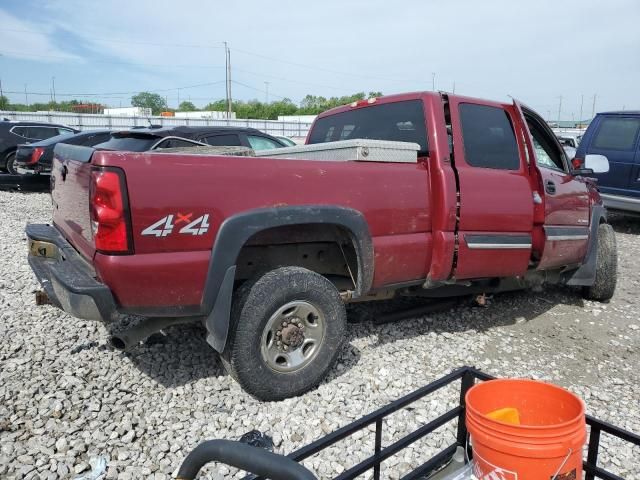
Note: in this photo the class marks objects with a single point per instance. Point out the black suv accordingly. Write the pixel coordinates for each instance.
(153, 138)
(14, 133)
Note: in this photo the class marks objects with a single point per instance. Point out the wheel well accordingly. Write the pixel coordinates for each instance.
(323, 248)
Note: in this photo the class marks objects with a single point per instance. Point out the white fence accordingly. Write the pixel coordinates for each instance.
(87, 121)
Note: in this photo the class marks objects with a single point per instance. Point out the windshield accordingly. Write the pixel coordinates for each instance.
(129, 142)
(398, 121)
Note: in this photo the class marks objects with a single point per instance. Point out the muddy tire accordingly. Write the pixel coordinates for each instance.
(606, 266)
(287, 327)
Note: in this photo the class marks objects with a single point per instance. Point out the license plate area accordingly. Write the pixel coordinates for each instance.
(38, 248)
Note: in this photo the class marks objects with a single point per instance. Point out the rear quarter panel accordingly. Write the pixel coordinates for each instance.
(392, 197)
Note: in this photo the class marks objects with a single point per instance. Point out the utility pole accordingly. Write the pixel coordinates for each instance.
(581, 102)
(560, 108)
(593, 108)
(266, 92)
(454, 87)
(53, 88)
(226, 74)
(433, 81)
(227, 61)
(230, 97)
(26, 98)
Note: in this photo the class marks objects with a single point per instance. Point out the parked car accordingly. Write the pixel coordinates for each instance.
(13, 134)
(479, 197)
(568, 140)
(152, 138)
(616, 135)
(37, 157)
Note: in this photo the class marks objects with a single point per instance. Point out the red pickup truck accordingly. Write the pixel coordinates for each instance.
(265, 252)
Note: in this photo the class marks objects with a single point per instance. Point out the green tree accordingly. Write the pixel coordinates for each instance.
(153, 101)
(4, 103)
(187, 107)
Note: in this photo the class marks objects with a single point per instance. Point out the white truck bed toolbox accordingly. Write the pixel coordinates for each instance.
(345, 150)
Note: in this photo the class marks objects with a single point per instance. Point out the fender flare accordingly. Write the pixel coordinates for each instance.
(585, 275)
(235, 231)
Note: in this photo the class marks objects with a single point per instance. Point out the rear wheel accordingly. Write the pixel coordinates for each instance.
(606, 266)
(10, 165)
(287, 328)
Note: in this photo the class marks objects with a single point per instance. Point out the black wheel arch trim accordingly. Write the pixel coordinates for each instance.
(585, 275)
(234, 233)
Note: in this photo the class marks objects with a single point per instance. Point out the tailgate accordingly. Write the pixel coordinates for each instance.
(70, 181)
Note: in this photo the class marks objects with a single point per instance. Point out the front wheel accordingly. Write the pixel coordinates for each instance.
(287, 328)
(604, 285)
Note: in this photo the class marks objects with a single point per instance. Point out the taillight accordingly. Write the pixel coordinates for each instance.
(577, 163)
(35, 155)
(109, 206)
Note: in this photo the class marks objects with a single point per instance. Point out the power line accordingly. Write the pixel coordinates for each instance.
(111, 40)
(61, 57)
(107, 94)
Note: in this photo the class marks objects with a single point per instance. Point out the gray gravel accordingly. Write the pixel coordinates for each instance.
(65, 397)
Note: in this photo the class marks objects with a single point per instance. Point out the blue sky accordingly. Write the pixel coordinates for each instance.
(533, 51)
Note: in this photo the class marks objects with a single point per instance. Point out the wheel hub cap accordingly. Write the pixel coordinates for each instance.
(292, 336)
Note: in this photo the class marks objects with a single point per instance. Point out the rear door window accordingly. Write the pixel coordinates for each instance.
(397, 121)
(488, 137)
(262, 143)
(617, 134)
(224, 140)
(41, 133)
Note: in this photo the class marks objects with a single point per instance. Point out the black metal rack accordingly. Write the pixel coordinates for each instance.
(467, 376)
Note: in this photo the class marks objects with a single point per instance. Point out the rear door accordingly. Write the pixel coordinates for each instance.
(565, 231)
(496, 202)
(616, 137)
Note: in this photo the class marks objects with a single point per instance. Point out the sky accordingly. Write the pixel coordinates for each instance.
(543, 53)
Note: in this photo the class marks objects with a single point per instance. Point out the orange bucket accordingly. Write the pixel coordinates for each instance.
(547, 444)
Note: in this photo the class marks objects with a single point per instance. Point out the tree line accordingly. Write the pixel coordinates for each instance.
(252, 109)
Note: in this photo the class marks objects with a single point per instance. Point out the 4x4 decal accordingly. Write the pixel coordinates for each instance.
(165, 226)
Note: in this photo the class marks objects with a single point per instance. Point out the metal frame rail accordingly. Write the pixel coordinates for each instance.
(468, 376)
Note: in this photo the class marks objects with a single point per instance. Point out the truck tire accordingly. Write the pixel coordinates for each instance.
(287, 327)
(606, 266)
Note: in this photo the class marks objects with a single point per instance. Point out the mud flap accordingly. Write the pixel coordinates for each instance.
(586, 274)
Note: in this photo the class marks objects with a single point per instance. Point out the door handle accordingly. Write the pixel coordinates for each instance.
(550, 187)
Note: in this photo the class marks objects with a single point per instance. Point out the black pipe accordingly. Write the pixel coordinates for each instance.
(126, 339)
(240, 455)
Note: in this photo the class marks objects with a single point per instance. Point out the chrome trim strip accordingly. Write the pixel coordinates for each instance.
(493, 246)
(559, 238)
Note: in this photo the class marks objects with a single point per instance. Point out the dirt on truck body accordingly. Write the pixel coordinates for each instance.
(266, 251)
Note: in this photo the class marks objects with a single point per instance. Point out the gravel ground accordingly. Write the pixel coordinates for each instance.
(66, 397)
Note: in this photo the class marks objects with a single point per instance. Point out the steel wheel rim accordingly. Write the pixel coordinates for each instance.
(292, 337)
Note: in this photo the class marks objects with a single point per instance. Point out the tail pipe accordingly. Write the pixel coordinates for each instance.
(133, 336)
(240, 455)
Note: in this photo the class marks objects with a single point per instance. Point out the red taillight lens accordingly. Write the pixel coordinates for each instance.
(577, 163)
(109, 211)
(35, 155)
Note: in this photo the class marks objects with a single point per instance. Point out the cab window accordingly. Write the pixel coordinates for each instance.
(488, 137)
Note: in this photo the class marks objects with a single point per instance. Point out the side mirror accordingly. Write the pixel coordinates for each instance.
(596, 163)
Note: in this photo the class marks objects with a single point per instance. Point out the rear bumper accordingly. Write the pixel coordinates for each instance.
(619, 202)
(66, 277)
